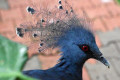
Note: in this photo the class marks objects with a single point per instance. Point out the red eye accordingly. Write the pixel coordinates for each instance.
(85, 48)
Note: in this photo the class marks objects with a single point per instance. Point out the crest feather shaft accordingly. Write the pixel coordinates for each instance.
(50, 24)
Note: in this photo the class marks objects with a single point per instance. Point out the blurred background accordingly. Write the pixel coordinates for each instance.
(105, 16)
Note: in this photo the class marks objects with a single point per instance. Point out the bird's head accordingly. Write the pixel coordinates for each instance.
(78, 45)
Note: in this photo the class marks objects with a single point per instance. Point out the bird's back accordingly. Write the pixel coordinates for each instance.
(50, 74)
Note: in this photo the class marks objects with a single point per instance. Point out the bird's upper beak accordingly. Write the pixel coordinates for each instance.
(102, 59)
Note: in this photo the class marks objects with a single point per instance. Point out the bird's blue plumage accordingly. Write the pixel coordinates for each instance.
(72, 59)
(77, 44)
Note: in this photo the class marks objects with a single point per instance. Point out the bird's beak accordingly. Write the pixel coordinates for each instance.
(102, 59)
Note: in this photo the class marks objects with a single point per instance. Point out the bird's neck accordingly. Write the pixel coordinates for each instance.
(72, 69)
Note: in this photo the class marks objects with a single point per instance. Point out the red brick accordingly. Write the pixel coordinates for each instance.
(48, 62)
(100, 11)
(18, 3)
(98, 42)
(112, 22)
(12, 14)
(26, 18)
(37, 1)
(18, 22)
(17, 39)
(85, 74)
(113, 9)
(96, 2)
(24, 13)
(43, 3)
(7, 26)
(7, 29)
(92, 61)
(80, 13)
(82, 4)
(98, 25)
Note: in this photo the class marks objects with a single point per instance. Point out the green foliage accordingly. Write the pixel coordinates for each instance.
(12, 58)
(118, 1)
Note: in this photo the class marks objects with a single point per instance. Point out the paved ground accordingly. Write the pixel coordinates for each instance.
(111, 50)
(4, 4)
(105, 15)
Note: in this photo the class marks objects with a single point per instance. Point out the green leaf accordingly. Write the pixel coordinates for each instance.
(12, 58)
(118, 1)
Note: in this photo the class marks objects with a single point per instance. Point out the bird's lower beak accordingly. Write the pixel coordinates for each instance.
(103, 60)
